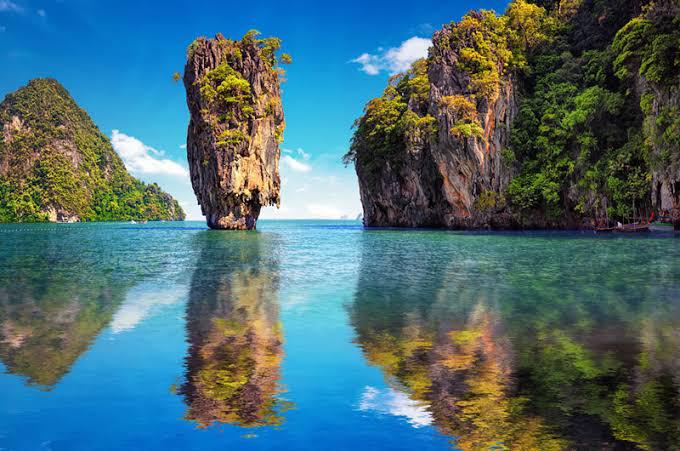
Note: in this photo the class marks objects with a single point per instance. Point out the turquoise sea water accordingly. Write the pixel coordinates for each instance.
(323, 335)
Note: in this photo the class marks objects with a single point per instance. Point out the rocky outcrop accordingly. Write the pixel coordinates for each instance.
(666, 176)
(55, 165)
(470, 166)
(662, 122)
(452, 157)
(235, 129)
(543, 117)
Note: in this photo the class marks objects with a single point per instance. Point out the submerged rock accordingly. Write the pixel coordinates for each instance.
(236, 126)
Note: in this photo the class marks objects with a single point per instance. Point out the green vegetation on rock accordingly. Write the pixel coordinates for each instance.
(55, 164)
(592, 91)
(576, 141)
(388, 122)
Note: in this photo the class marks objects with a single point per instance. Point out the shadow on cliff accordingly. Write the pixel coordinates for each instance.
(235, 337)
(503, 350)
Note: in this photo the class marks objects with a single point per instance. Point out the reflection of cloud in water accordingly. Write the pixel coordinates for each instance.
(296, 301)
(143, 300)
(397, 403)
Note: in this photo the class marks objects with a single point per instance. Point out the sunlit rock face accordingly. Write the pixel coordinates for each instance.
(236, 125)
(505, 125)
(236, 341)
(449, 151)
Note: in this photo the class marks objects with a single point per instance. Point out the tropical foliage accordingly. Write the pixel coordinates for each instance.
(596, 117)
(54, 159)
(383, 131)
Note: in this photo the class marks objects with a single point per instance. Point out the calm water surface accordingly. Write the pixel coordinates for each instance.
(321, 335)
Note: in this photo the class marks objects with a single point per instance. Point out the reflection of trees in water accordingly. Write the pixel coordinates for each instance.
(509, 360)
(236, 341)
(55, 298)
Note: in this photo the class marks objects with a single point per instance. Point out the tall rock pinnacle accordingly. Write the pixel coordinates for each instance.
(236, 126)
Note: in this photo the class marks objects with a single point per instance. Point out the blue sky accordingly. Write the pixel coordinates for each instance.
(117, 59)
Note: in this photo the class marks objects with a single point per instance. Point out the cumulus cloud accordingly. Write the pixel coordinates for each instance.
(397, 403)
(142, 159)
(295, 165)
(300, 152)
(328, 190)
(323, 211)
(396, 59)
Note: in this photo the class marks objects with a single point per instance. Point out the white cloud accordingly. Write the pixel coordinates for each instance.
(397, 403)
(323, 211)
(42, 13)
(295, 165)
(396, 59)
(329, 191)
(304, 155)
(370, 64)
(182, 146)
(142, 159)
(8, 5)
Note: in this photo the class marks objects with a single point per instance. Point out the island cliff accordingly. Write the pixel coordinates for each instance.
(236, 125)
(556, 114)
(55, 165)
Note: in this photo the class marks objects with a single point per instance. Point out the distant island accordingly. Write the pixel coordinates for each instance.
(553, 115)
(55, 165)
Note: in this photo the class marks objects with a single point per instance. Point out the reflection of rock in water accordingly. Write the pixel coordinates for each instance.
(506, 363)
(234, 333)
(463, 372)
(443, 342)
(54, 301)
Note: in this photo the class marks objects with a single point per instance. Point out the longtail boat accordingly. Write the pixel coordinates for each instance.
(634, 227)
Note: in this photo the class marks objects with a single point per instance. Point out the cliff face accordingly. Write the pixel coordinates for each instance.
(56, 165)
(446, 146)
(666, 175)
(235, 129)
(642, 42)
(470, 166)
(553, 115)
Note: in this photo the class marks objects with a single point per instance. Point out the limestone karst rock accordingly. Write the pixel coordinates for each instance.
(444, 148)
(55, 164)
(237, 123)
(547, 116)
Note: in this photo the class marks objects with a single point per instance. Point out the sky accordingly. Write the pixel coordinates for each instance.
(117, 58)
